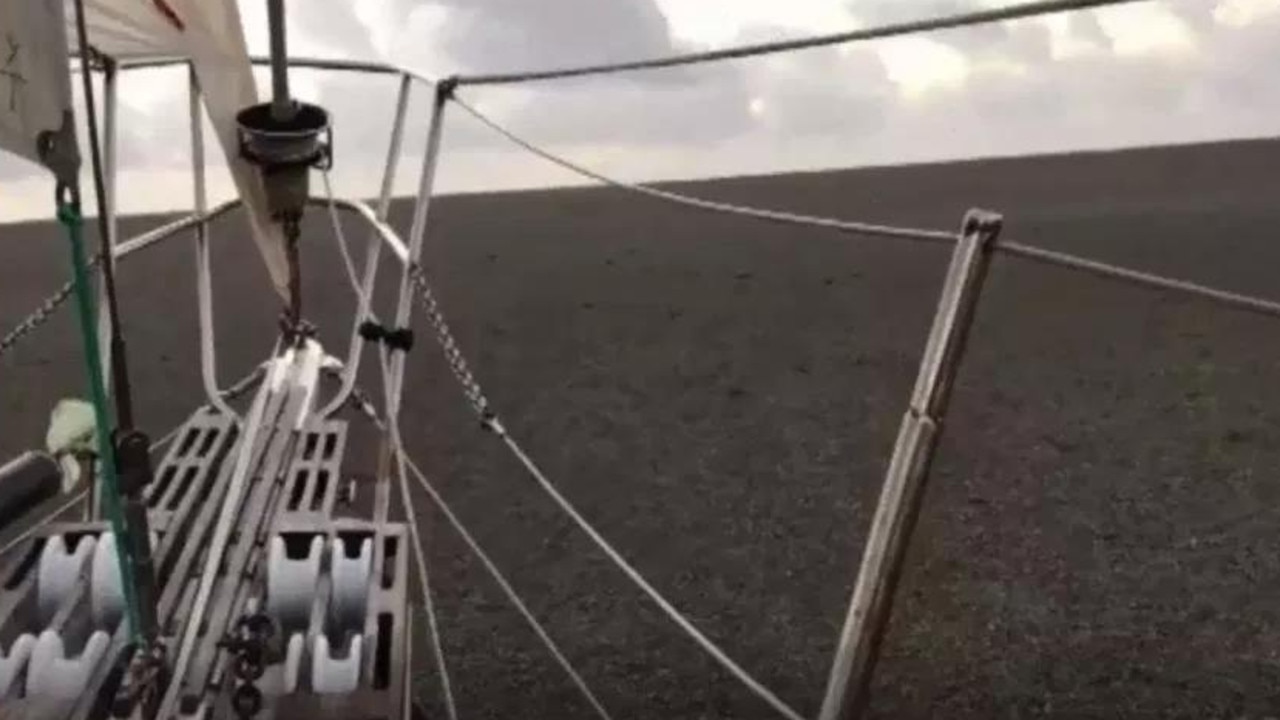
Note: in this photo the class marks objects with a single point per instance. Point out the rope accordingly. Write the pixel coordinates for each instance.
(1138, 277)
(943, 22)
(70, 218)
(428, 600)
(392, 428)
(507, 589)
(475, 396)
(676, 616)
(341, 238)
(779, 216)
(360, 401)
(1030, 252)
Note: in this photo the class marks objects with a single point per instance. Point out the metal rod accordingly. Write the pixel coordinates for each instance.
(142, 63)
(281, 104)
(204, 284)
(417, 231)
(374, 252)
(110, 169)
(941, 22)
(904, 485)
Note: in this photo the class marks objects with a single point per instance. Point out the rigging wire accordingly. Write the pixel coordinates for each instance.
(419, 553)
(489, 420)
(1046, 256)
(392, 428)
(676, 616)
(941, 22)
(711, 205)
(1030, 252)
(512, 596)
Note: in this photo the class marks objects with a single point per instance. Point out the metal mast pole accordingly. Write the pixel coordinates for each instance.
(281, 104)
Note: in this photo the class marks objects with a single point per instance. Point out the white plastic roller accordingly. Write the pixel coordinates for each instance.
(12, 662)
(293, 662)
(54, 675)
(335, 675)
(291, 584)
(106, 594)
(58, 572)
(350, 583)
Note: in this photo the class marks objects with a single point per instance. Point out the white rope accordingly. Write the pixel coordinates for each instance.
(490, 421)
(343, 248)
(428, 597)
(1030, 252)
(1138, 277)
(672, 612)
(943, 22)
(507, 589)
(702, 204)
(393, 429)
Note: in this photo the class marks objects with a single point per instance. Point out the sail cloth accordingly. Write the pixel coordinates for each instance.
(209, 33)
(35, 85)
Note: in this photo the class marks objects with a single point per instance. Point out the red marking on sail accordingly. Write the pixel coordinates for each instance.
(169, 14)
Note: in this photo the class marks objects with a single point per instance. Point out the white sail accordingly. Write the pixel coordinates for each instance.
(35, 83)
(210, 34)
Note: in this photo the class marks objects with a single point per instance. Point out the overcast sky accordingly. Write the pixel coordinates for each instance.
(1156, 72)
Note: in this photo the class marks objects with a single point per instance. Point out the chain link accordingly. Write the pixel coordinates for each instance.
(42, 314)
(449, 346)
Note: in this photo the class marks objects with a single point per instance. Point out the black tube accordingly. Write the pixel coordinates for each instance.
(25, 482)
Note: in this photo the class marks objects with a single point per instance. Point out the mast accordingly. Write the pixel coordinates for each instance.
(285, 139)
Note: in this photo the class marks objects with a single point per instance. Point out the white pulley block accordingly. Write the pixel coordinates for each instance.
(106, 594)
(12, 663)
(350, 583)
(58, 572)
(52, 674)
(334, 675)
(291, 584)
(293, 662)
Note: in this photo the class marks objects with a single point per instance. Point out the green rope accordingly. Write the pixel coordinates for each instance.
(69, 216)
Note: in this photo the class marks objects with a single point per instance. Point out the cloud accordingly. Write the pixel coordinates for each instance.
(512, 35)
(1162, 71)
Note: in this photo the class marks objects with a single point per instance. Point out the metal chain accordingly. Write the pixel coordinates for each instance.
(42, 314)
(449, 346)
